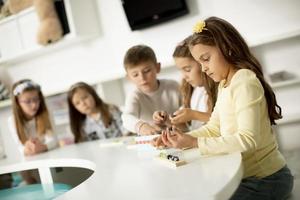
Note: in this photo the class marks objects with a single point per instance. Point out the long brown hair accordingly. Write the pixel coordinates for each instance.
(223, 35)
(42, 119)
(182, 51)
(77, 118)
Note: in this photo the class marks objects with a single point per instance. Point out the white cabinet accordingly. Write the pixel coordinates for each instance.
(28, 25)
(10, 42)
(18, 32)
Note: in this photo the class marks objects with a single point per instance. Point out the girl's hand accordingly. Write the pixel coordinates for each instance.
(147, 129)
(34, 146)
(39, 147)
(176, 139)
(28, 148)
(160, 117)
(182, 116)
(157, 142)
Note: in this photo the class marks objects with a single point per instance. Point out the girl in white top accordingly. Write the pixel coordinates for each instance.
(30, 125)
(198, 91)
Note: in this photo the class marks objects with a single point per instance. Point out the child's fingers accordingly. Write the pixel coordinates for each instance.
(163, 115)
(157, 117)
(164, 139)
(153, 142)
(157, 142)
(171, 137)
(177, 112)
(176, 119)
(156, 128)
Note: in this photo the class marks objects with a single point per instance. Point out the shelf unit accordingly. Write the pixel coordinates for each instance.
(18, 32)
(274, 38)
(282, 84)
(288, 119)
(5, 103)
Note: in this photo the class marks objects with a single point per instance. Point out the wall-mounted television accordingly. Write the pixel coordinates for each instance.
(144, 13)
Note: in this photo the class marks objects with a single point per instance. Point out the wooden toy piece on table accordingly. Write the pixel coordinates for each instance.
(170, 160)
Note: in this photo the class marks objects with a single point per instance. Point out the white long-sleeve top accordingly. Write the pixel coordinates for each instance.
(198, 103)
(140, 106)
(49, 139)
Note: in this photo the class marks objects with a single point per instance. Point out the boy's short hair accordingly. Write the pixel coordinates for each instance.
(138, 54)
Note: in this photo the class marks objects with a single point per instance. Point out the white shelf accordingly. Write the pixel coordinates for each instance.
(66, 41)
(18, 32)
(274, 38)
(116, 75)
(287, 119)
(5, 103)
(287, 83)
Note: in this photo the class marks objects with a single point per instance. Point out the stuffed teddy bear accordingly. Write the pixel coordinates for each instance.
(4, 10)
(50, 29)
(16, 6)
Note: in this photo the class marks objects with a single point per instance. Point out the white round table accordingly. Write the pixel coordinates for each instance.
(121, 173)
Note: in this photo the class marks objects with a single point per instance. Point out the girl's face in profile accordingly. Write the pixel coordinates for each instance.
(190, 70)
(84, 102)
(29, 102)
(211, 60)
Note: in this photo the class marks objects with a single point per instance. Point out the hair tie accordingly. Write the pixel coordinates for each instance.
(25, 85)
(199, 27)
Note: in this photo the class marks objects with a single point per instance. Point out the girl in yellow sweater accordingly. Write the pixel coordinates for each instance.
(246, 108)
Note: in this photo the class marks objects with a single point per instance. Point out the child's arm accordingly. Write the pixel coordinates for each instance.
(211, 129)
(131, 113)
(247, 99)
(186, 114)
(14, 134)
(144, 128)
(131, 117)
(34, 146)
(161, 118)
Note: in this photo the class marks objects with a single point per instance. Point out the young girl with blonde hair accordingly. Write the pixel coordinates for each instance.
(30, 125)
(90, 117)
(199, 92)
(245, 110)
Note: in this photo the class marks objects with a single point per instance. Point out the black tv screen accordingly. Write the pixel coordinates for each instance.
(144, 13)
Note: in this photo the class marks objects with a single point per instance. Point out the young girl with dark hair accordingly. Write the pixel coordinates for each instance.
(242, 119)
(90, 117)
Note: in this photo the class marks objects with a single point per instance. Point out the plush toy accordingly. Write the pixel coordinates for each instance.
(16, 6)
(50, 29)
(4, 9)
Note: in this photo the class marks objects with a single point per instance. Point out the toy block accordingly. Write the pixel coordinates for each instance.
(170, 160)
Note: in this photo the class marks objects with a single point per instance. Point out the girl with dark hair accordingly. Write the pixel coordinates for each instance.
(90, 117)
(242, 119)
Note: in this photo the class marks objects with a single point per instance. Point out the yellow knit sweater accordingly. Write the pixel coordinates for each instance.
(240, 123)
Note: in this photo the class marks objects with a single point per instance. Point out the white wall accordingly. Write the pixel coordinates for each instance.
(102, 58)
